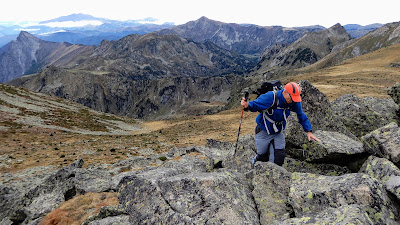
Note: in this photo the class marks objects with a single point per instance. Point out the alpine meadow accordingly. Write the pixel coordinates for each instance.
(139, 123)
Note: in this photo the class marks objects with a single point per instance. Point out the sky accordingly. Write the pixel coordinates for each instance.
(287, 13)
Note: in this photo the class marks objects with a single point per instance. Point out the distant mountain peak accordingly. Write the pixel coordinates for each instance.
(23, 36)
(73, 17)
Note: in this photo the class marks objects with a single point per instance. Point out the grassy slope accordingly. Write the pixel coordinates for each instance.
(366, 75)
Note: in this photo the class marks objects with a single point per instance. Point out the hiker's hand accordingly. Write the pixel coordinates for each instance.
(244, 103)
(311, 136)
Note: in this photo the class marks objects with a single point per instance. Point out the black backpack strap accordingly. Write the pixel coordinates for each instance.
(276, 100)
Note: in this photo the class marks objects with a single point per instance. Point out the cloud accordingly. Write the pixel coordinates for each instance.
(74, 23)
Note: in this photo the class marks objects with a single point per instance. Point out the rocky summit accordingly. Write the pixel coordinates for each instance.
(29, 54)
(344, 179)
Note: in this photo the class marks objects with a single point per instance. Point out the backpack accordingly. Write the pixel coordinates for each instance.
(272, 85)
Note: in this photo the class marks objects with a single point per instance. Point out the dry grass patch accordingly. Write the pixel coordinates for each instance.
(76, 210)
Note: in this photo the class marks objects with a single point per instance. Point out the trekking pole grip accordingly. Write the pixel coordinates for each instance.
(246, 98)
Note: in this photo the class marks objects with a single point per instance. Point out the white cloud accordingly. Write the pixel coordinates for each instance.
(27, 30)
(262, 12)
(74, 23)
(53, 32)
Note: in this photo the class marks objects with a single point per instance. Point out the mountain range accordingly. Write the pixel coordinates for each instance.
(88, 30)
(142, 76)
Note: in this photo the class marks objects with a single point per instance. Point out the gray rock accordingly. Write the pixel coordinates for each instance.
(384, 171)
(194, 162)
(6, 221)
(346, 214)
(271, 190)
(318, 109)
(294, 165)
(363, 115)
(114, 220)
(217, 156)
(44, 204)
(10, 203)
(225, 146)
(194, 198)
(14, 186)
(54, 190)
(245, 150)
(334, 148)
(379, 168)
(384, 142)
(116, 179)
(311, 194)
(133, 163)
(393, 185)
(394, 92)
(109, 215)
(92, 181)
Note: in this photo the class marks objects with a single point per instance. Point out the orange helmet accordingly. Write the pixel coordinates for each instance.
(294, 91)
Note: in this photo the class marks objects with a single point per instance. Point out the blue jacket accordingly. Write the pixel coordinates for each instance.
(265, 101)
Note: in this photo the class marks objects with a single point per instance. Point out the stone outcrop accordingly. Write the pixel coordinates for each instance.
(318, 109)
(384, 142)
(363, 115)
(334, 148)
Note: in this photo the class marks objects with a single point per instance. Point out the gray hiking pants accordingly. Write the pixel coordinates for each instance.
(270, 147)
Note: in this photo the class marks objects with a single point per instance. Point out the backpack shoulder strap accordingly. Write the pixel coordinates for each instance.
(276, 100)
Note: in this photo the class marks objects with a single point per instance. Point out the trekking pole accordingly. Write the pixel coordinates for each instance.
(246, 97)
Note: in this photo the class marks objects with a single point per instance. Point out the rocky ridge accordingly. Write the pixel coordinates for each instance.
(209, 185)
(387, 35)
(305, 51)
(29, 54)
(152, 56)
(244, 39)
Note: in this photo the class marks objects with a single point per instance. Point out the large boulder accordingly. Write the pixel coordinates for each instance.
(193, 198)
(213, 157)
(311, 194)
(333, 148)
(384, 142)
(384, 171)
(363, 115)
(318, 109)
(379, 168)
(271, 190)
(346, 214)
(95, 181)
(393, 186)
(192, 161)
(246, 149)
(295, 165)
(47, 196)
(14, 186)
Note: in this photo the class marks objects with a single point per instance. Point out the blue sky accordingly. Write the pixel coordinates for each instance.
(288, 13)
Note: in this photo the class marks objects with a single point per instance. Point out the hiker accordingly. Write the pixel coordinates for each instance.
(269, 136)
